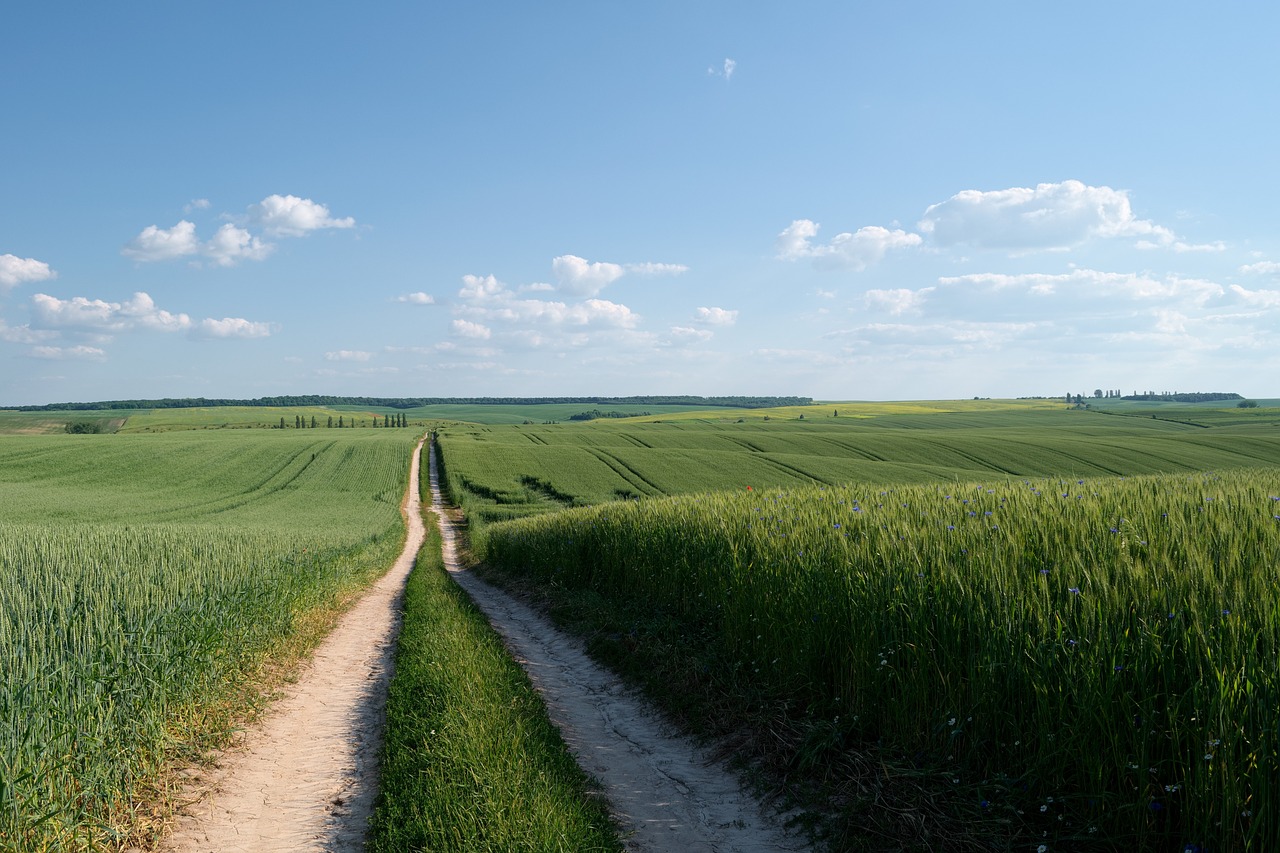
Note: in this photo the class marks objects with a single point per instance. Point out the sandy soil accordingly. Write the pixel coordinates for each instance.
(305, 779)
(666, 792)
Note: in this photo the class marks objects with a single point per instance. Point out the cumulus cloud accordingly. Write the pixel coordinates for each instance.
(1259, 298)
(101, 318)
(230, 327)
(291, 216)
(275, 215)
(1048, 216)
(1262, 268)
(79, 353)
(348, 355)
(230, 245)
(481, 287)
(896, 301)
(418, 298)
(856, 250)
(716, 316)
(583, 278)
(690, 335)
(15, 271)
(161, 244)
(467, 329)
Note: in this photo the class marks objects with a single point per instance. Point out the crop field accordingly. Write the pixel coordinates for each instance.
(505, 471)
(1074, 615)
(1098, 652)
(143, 578)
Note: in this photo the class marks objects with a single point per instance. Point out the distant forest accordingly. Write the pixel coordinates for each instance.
(1182, 397)
(415, 402)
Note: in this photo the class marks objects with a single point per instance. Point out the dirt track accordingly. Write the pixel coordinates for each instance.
(306, 778)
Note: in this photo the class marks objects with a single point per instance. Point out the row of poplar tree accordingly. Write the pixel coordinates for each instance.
(398, 419)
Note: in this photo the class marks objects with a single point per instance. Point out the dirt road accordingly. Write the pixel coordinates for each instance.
(667, 792)
(306, 778)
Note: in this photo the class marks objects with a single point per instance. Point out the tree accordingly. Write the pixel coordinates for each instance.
(313, 421)
(339, 421)
(1247, 404)
(282, 422)
(330, 421)
(1097, 392)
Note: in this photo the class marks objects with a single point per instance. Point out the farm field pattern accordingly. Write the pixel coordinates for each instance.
(144, 579)
(1076, 614)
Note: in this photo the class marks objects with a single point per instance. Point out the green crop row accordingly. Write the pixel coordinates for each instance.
(1096, 657)
(142, 579)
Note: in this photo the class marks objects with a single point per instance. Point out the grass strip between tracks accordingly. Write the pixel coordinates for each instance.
(470, 760)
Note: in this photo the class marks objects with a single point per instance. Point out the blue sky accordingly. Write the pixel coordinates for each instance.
(837, 200)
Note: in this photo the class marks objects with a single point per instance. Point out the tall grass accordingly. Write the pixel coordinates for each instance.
(148, 597)
(1096, 657)
(471, 761)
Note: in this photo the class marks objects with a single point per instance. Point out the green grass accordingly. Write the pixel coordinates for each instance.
(147, 580)
(470, 761)
(1091, 660)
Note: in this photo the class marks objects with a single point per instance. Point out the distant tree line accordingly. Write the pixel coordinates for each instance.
(1182, 397)
(595, 413)
(1162, 396)
(320, 400)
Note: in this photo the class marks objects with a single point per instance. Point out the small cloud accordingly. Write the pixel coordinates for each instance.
(230, 327)
(290, 216)
(348, 355)
(897, 301)
(725, 70)
(418, 298)
(162, 244)
(232, 245)
(583, 278)
(467, 329)
(716, 316)
(690, 335)
(77, 353)
(1262, 268)
(657, 269)
(196, 204)
(856, 250)
(15, 271)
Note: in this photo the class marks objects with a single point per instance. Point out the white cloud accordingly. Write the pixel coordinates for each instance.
(79, 353)
(196, 204)
(656, 269)
(15, 270)
(419, 298)
(288, 215)
(1216, 246)
(481, 287)
(1050, 216)
(1261, 298)
(160, 244)
(231, 245)
(725, 70)
(468, 329)
(688, 334)
(896, 301)
(101, 318)
(348, 355)
(716, 316)
(858, 250)
(1262, 268)
(23, 334)
(583, 278)
(230, 327)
